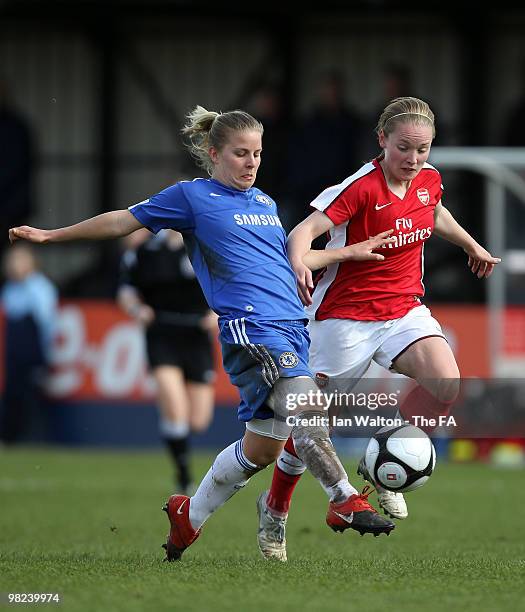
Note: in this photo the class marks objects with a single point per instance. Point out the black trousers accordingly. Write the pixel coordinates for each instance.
(23, 366)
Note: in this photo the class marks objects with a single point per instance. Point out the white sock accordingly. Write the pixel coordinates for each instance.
(340, 490)
(174, 430)
(230, 472)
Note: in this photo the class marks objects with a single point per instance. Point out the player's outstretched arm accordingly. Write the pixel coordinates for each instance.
(480, 261)
(304, 259)
(299, 244)
(360, 251)
(112, 224)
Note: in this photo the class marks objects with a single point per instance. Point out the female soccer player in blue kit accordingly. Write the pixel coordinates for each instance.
(237, 247)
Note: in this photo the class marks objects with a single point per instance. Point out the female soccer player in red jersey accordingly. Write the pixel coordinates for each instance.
(367, 310)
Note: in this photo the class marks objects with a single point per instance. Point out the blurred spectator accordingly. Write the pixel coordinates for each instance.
(513, 127)
(29, 301)
(328, 141)
(158, 288)
(513, 135)
(397, 82)
(266, 105)
(16, 166)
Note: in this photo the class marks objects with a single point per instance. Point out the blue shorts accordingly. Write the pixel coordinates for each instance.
(256, 353)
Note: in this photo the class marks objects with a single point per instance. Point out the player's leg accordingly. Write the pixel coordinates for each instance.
(312, 445)
(339, 355)
(431, 362)
(230, 472)
(310, 435)
(174, 408)
(418, 349)
(415, 347)
(273, 512)
(252, 369)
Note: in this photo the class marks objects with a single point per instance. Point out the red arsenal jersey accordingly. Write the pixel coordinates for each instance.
(361, 207)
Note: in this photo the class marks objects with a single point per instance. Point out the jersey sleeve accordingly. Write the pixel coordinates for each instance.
(340, 202)
(439, 189)
(168, 209)
(434, 183)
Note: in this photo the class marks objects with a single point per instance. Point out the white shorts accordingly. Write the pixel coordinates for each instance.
(345, 347)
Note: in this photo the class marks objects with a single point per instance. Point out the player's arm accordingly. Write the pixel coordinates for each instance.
(209, 322)
(299, 245)
(480, 261)
(114, 224)
(304, 259)
(360, 251)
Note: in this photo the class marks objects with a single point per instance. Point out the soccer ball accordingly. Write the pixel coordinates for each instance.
(400, 459)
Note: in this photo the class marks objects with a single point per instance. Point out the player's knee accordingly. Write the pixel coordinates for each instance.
(447, 391)
(310, 429)
(261, 450)
(264, 457)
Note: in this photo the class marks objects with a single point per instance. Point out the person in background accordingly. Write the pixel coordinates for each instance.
(513, 135)
(397, 82)
(158, 288)
(29, 301)
(267, 106)
(16, 165)
(328, 141)
(512, 131)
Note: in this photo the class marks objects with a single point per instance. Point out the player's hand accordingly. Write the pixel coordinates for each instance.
(209, 322)
(364, 251)
(305, 284)
(480, 261)
(32, 234)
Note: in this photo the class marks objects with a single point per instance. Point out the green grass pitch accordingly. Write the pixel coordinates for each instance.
(89, 526)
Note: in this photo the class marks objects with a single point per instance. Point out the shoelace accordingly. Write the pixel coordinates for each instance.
(367, 489)
(360, 502)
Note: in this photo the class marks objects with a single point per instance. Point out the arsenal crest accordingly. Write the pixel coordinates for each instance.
(424, 196)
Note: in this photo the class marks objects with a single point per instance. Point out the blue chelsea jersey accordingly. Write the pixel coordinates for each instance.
(236, 244)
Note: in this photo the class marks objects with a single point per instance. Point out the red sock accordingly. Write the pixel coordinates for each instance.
(422, 404)
(286, 474)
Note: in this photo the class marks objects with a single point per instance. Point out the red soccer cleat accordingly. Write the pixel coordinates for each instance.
(357, 513)
(181, 534)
